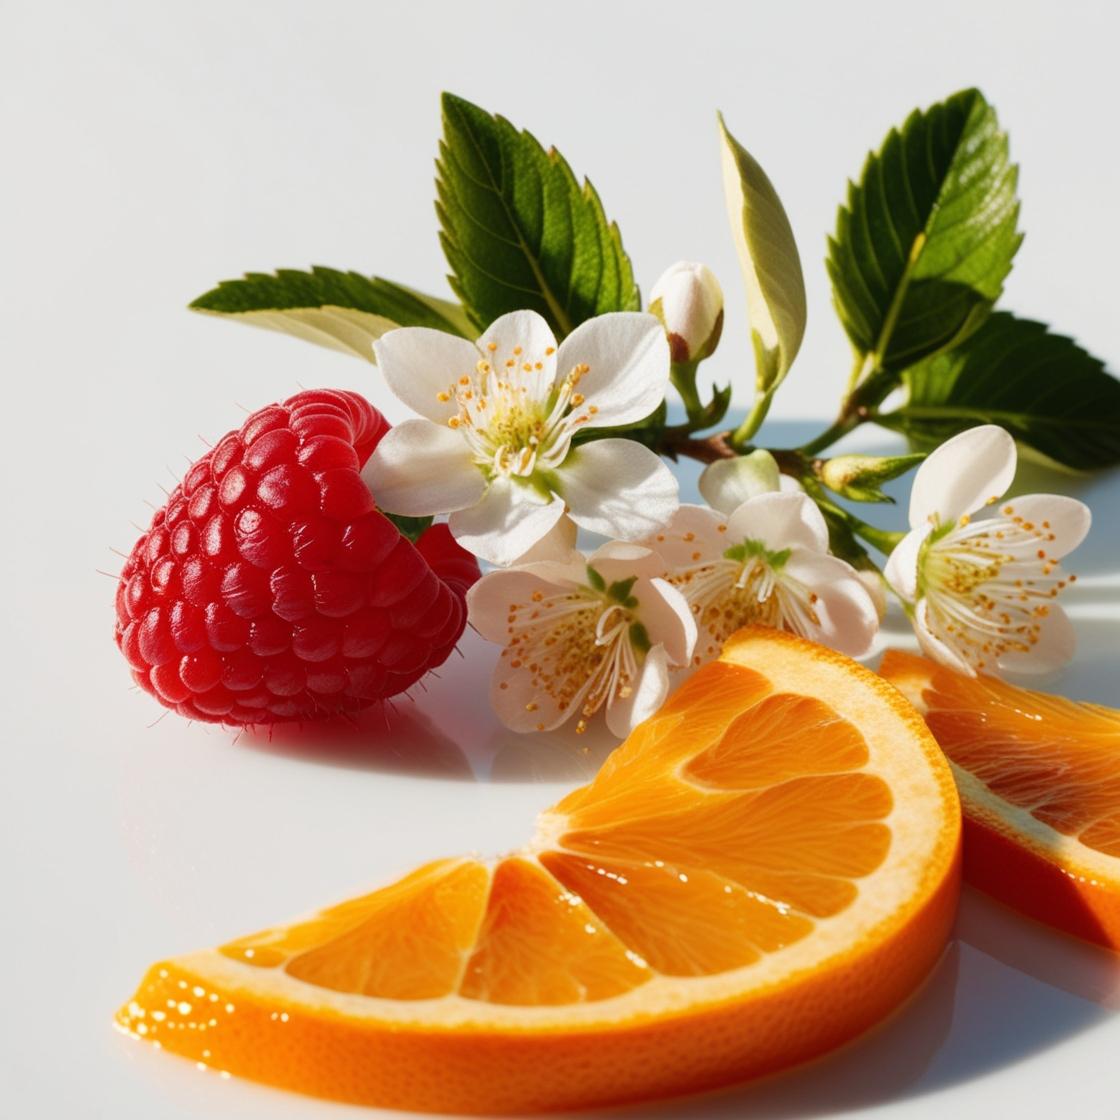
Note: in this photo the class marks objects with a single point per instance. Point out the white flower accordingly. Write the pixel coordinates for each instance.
(983, 590)
(495, 447)
(580, 635)
(687, 298)
(766, 562)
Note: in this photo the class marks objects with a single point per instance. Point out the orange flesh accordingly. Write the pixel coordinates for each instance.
(1055, 759)
(724, 831)
(758, 833)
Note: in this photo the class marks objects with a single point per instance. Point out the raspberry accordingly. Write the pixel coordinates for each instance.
(270, 588)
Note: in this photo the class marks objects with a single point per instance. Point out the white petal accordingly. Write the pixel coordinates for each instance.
(780, 521)
(489, 600)
(559, 543)
(1056, 645)
(419, 363)
(649, 692)
(422, 468)
(628, 356)
(617, 560)
(790, 485)
(618, 488)
(848, 617)
(506, 523)
(526, 331)
(963, 474)
(521, 706)
(691, 537)
(665, 614)
(901, 568)
(727, 483)
(933, 644)
(1068, 518)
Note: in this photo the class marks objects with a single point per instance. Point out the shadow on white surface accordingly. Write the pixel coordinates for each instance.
(1007, 988)
(396, 738)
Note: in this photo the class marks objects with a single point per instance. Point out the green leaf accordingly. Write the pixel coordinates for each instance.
(518, 229)
(410, 527)
(926, 239)
(1043, 388)
(342, 310)
(769, 260)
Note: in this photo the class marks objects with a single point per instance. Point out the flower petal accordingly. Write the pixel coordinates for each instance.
(848, 616)
(506, 523)
(727, 483)
(419, 363)
(624, 713)
(1056, 645)
(617, 560)
(422, 468)
(520, 705)
(521, 336)
(628, 359)
(692, 537)
(963, 474)
(1068, 519)
(934, 645)
(781, 520)
(618, 488)
(489, 600)
(559, 543)
(901, 568)
(668, 620)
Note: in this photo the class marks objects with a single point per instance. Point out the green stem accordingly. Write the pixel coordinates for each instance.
(885, 540)
(683, 377)
(844, 423)
(753, 421)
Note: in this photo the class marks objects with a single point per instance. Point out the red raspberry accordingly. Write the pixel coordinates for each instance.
(270, 588)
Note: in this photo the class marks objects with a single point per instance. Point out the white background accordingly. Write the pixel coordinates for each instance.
(152, 149)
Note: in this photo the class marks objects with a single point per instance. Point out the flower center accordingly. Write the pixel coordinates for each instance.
(582, 646)
(988, 584)
(747, 585)
(516, 419)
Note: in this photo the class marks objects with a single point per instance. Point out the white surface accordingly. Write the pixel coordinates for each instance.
(153, 149)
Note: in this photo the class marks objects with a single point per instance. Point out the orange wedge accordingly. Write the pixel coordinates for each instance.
(1039, 778)
(763, 870)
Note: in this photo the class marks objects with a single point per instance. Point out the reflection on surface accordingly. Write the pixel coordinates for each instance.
(1006, 989)
(396, 738)
(550, 756)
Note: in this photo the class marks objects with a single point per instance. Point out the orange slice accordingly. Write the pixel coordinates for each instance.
(764, 869)
(1039, 778)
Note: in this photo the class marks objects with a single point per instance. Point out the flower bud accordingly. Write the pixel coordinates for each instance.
(689, 302)
(857, 477)
(727, 483)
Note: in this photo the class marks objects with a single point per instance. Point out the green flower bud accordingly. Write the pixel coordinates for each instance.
(857, 477)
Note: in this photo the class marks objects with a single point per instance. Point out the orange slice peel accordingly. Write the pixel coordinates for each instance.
(762, 871)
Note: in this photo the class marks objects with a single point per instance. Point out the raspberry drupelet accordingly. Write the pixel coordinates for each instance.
(269, 587)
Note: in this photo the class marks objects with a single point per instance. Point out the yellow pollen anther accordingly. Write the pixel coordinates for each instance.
(464, 380)
(491, 346)
(528, 367)
(453, 422)
(443, 398)
(577, 399)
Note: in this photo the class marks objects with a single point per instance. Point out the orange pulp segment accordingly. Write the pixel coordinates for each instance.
(1039, 778)
(763, 869)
